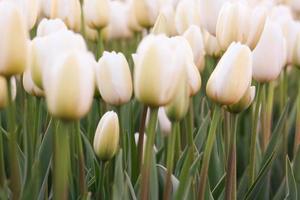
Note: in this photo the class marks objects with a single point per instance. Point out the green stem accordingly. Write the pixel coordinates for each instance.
(207, 151)
(13, 147)
(2, 164)
(268, 115)
(230, 190)
(141, 136)
(100, 48)
(148, 154)
(61, 163)
(297, 134)
(254, 133)
(82, 183)
(101, 190)
(190, 125)
(170, 160)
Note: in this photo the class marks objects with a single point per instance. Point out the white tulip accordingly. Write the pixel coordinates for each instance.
(13, 40)
(29, 85)
(4, 91)
(232, 76)
(69, 85)
(269, 56)
(48, 26)
(212, 47)
(114, 78)
(96, 13)
(146, 12)
(106, 140)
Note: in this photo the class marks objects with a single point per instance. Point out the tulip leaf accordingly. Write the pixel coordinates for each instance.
(291, 182)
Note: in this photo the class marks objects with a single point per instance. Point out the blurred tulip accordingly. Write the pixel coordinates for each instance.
(156, 71)
(106, 139)
(233, 24)
(146, 12)
(244, 103)
(212, 47)
(48, 26)
(160, 26)
(4, 91)
(280, 14)
(114, 78)
(29, 85)
(67, 10)
(45, 49)
(295, 5)
(194, 36)
(209, 12)
(165, 124)
(186, 15)
(91, 34)
(269, 56)
(69, 85)
(296, 52)
(118, 22)
(232, 76)
(96, 13)
(13, 40)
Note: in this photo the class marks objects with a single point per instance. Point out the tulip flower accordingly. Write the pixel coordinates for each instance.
(194, 36)
(211, 45)
(48, 26)
(269, 56)
(164, 122)
(67, 10)
(29, 85)
(295, 5)
(133, 23)
(106, 140)
(244, 102)
(156, 71)
(146, 12)
(44, 50)
(114, 78)
(209, 12)
(4, 91)
(118, 22)
(69, 85)
(232, 76)
(96, 13)
(13, 40)
(186, 15)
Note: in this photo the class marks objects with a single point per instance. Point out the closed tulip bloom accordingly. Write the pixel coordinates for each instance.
(270, 53)
(244, 103)
(186, 15)
(96, 13)
(48, 26)
(194, 36)
(212, 47)
(164, 122)
(67, 10)
(177, 109)
(114, 78)
(156, 71)
(118, 22)
(133, 23)
(69, 85)
(232, 76)
(44, 50)
(4, 91)
(13, 40)
(169, 12)
(233, 24)
(146, 12)
(296, 52)
(160, 26)
(209, 12)
(106, 139)
(295, 5)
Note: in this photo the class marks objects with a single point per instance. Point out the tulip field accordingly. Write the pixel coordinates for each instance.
(150, 99)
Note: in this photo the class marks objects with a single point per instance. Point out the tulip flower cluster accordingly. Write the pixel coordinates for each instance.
(149, 99)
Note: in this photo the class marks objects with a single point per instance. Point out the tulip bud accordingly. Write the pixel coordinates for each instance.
(146, 12)
(295, 5)
(29, 85)
(232, 76)
(69, 85)
(212, 47)
(106, 140)
(194, 36)
(48, 26)
(209, 12)
(186, 15)
(133, 23)
(233, 24)
(160, 26)
(244, 103)
(4, 91)
(114, 78)
(269, 55)
(169, 13)
(13, 40)
(44, 50)
(177, 109)
(96, 13)
(118, 22)
(165, 124)
(157, 70)
(67, 10)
